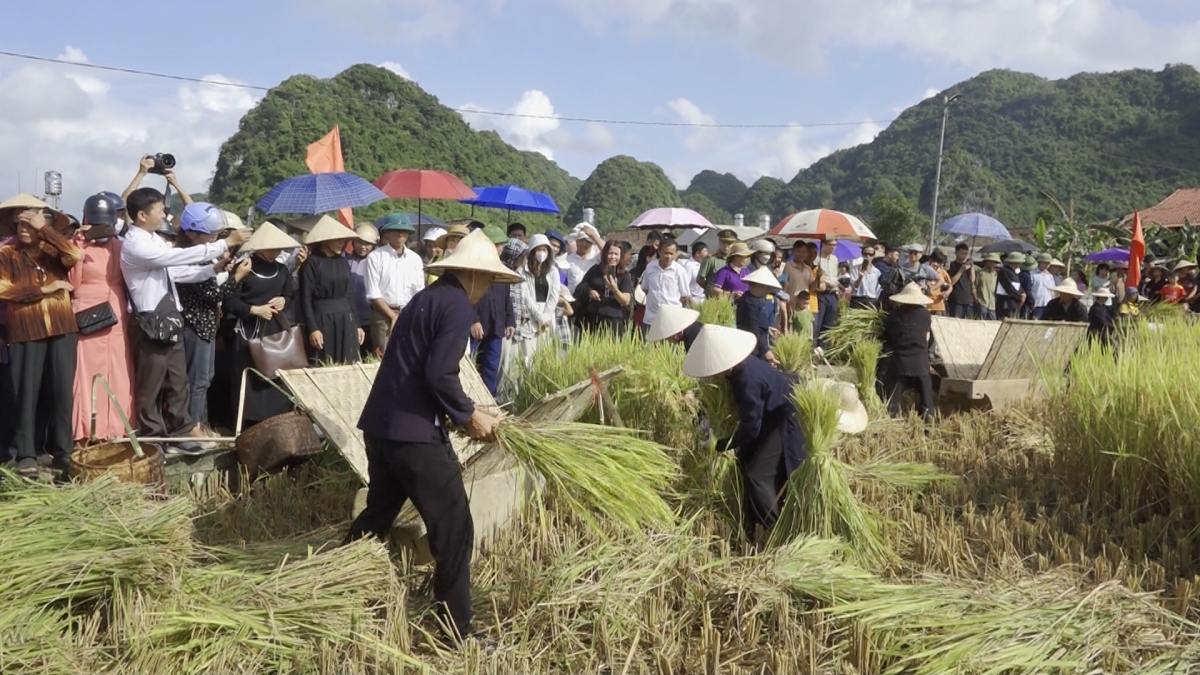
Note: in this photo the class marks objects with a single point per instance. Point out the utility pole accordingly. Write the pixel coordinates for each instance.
(937, 178)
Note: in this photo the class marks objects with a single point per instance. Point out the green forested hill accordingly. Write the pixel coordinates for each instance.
(1112, 142)
(386, 123)
(619, 189)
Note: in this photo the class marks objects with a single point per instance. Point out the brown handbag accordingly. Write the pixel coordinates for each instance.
(282, 351)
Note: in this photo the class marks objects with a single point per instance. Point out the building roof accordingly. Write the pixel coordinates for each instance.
(1171, 212)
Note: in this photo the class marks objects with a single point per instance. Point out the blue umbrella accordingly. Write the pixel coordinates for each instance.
(512, 198)
(417, 219)
(319, 193)
(976, 225)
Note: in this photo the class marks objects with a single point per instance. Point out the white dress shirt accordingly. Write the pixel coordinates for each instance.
(692, 267)
(151, 267)
(869, 288)
(828, 264)
(663, 287)
(394, 277)
(1041, 283)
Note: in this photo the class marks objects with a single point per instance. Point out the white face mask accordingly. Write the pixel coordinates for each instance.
(764, 258)
(541, 256)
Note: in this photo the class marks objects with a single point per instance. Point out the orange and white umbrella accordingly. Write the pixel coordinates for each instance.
(823, 224)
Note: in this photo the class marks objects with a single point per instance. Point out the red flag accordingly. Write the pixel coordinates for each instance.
(1137, 251)
(325, 156)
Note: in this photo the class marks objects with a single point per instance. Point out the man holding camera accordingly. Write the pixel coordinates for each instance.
(864, 280)
(151, 266)
(161, 164)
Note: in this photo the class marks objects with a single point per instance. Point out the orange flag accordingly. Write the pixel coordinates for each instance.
(1137, 251)
(325, 156)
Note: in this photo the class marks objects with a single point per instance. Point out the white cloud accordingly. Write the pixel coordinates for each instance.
(690, 113)
(1050, 37)
(73, 54)
(540, 128)
(395, 68)
(95, 130)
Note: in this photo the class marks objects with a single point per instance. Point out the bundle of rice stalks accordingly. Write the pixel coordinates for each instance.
(599, 474)
(74, 546)
(717, 312)
(651, 392)
(853, 326)
(1033, 625)
(794, 352)
(720, 408)
(864, 358)
(329, 606)
(819, 499)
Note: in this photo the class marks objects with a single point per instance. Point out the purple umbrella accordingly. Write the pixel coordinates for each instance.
(845, 251)
(1109, 255)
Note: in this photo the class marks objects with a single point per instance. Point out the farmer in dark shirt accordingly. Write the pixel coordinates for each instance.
(962, 277)
(768, 443)
(1066, 307)
(1009, 293)
(906, 339)
(675, 324)
(416, 394)
(756, 312)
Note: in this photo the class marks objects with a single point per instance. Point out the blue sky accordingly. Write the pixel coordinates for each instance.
(726, 61)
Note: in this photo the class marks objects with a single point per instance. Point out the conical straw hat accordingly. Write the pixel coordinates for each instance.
(911, 295)
(24, 202)
(763, 277)
(717, 349)
(853, 417)
(669, 321)
(269, 238)
(1067, 287)
(476, 253)
(328, 229)
(1103, 292)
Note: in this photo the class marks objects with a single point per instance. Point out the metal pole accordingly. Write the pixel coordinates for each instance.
(937, 179)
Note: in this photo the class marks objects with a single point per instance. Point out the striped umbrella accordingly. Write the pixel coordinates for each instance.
(823, 224)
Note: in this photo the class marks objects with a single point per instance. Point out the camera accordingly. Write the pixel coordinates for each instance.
(162, 163)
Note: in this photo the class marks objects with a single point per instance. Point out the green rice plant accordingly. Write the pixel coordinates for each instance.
(1126, 421)
(651, 393)
(853, 326)
(1157, 312)
(864, 358)
(819, 500)
(719, 406)
(794, 352)
(717, 312)
(599, 474)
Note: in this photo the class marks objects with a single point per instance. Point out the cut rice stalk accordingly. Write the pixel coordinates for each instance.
(794, 352)
(864, 358)
(716, 400)
(717, 312)
(819, 499)
(853, 326)
(600, 474)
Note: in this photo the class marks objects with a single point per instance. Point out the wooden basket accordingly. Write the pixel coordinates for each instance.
(275, 442)
(130, 462)
(119, 459)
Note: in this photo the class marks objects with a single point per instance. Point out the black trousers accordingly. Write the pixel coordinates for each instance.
(50, 362)
(923, 386)
(161, 392)
(827, 317)
(428, 474)
(763, 479)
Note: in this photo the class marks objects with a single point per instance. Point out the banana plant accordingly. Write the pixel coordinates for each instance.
(1069, 238)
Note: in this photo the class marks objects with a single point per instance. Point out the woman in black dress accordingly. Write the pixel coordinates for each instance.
(326, 303)
(260, 307)
(606, 292)
(906, 341)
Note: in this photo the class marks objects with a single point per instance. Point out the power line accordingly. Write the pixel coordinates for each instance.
(467, 111)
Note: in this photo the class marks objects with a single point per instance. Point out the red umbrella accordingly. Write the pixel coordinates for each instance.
(422, 184)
